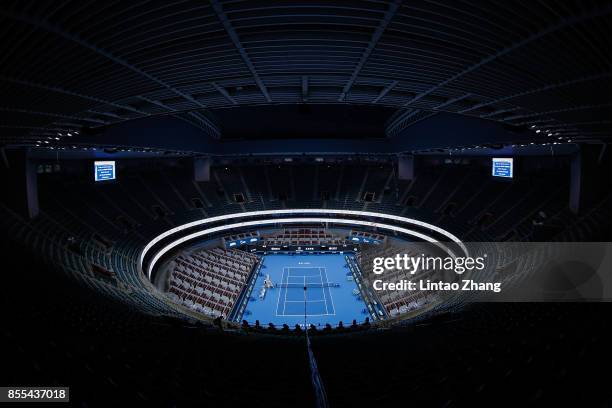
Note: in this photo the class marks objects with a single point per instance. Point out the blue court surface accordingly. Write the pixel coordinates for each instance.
(330, 294)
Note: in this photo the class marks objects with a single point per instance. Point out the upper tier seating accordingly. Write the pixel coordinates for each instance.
(304, 236)
(83, 224)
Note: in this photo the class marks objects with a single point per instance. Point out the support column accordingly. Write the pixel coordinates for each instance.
(405, 168)
(201, 169)
(20, 182)
(575, 182)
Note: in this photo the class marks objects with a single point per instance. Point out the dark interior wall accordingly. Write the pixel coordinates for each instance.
(303, 121)
(82, 170)
(164, 132)
(317, 132)
(20, 183)
(303, 146)
(450, 130)
(524, 166)
(596, 166)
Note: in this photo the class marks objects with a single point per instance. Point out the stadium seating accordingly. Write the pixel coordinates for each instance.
(304, 236)
(517, 351)
(210, 281)
(83, 225)
(395, 302)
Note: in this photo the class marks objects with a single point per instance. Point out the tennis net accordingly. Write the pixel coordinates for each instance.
(307, 285)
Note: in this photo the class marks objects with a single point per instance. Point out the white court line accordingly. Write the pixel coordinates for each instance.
(310, 315)
(303, 267)
(286, 276)
(330, 294)
(285, 301)
(323, 290)
(302, 300)
(278, 296)
(305, 302)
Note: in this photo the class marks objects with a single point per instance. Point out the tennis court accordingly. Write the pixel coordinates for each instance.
(304, 291)
(316, 288)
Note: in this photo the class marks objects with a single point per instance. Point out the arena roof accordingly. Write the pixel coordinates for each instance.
(75, 66)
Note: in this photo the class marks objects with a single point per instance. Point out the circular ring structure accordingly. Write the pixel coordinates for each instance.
(329, 217)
